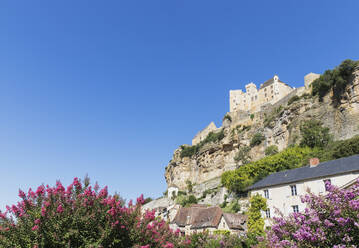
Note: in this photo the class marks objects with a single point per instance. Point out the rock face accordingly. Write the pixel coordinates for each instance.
(278, 123)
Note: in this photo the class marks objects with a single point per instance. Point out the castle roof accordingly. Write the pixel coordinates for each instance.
(271, 81)
(325, 169)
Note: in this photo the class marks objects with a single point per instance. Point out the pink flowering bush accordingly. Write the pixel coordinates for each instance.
(81, 216)
(329, 221)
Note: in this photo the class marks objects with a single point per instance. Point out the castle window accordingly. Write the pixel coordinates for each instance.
(272, 91)
(265, 95)
(265, 89)
(256, 97)
(272, 97)
(271, 86)
(252, 98)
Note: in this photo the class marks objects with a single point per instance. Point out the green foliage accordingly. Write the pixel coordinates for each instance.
(189, 151)
(185, 200)
(336, 80)
(255, 220)
(147, 200)
(314, 134)
(345, 148)
(293, 99)
(189, 186)
(222, 232)
(252, 116)
(271, 150)
(238, 180)
(227, 117)
(232, 207)
(243, 155)
(257, 139)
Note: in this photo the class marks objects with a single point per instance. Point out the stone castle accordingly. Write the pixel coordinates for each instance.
(270, 92)
(242, 104)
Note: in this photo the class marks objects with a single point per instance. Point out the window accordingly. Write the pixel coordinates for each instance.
(271, 86)
(327, 182)
(293, 188)
(265, 94)
(266, 193)
(256, 97)
(295, 209)
(267, 213)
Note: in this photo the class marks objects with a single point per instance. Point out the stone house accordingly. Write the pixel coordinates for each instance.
(284, 189)
(199, 218)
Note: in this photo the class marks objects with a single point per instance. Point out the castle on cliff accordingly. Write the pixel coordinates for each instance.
(243, 104)
(270, 92)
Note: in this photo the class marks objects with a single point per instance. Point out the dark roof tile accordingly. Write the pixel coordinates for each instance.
(325, 169)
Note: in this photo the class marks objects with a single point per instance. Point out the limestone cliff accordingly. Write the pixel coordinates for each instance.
(279, 123)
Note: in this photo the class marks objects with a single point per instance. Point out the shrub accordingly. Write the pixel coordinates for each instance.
(238, 180)
(243, 155)
(293, 99)
(314, 134)
(81, 216)
(346, 148)
(252, 116)
(329, 221)
(336, 80)
(188, 151)
(257, 139)
(189, 186)
(271, 150)
(232, 207)
(185, 200)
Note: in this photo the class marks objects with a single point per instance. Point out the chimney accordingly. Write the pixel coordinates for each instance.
(313, 162)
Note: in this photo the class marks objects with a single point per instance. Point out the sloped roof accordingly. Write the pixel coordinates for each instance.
(235, 221)
(200, 216)
(325, 169)
(271, 81)
(207, 217)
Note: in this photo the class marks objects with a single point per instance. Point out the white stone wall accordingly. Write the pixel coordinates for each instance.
(280, 197)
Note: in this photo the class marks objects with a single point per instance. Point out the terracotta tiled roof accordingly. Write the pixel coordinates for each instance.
(235, 221)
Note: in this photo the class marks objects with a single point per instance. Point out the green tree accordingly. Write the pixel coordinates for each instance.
(314, 134)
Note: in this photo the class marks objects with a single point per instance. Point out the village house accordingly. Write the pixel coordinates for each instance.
(199, 218)
(284, 189)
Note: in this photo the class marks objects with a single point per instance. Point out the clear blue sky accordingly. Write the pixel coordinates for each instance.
(112, 88)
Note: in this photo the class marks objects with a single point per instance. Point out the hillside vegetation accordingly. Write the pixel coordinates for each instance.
(316, 142)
